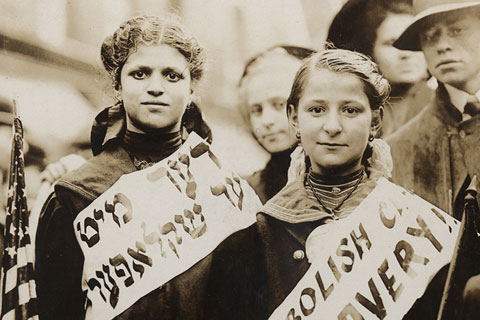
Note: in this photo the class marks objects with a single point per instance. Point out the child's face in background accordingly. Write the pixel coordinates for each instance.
(266, 94)
(334, 120)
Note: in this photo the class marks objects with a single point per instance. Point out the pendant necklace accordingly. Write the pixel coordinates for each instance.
(141, 164)
(334, 190)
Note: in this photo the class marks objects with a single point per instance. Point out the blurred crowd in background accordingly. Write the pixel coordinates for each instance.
(51, 74)
(50, 64)
(50, 60)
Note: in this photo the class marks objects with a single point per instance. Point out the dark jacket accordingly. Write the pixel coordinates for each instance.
(400, 109)
(59, 259)
(271, 179)
(435, 152)
(255, 269)
(435, 156)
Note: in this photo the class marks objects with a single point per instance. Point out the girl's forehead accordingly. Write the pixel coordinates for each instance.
(271, 66)
(322, 83)
(276, 60)
(324, 75)
(269, 82)
(156, 55)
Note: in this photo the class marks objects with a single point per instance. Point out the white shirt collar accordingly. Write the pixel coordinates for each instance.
(458, 97)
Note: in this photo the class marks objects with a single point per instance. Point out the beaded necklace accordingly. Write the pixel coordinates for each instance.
(335, 190)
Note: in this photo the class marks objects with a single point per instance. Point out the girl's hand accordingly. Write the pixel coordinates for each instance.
(56, 170)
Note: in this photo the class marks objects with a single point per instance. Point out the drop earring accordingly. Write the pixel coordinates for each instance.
(297, 135)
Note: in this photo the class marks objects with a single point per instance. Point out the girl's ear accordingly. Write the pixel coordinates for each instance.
(193, 86)
(377, 117)
(117, 93)
(292, 117)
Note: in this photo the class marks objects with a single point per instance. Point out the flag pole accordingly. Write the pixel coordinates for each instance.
(19, 300)
(465, 261)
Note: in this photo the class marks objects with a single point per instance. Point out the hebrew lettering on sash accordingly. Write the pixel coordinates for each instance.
(197, 210)
(185, 159)
(160, 173)
(140, 257)
(184, 173)
(166, 229)
(126, 203)
(194, 231)
(191, 184)
(122, 199)
(118, 261)
(112, 288)
(220, 189)
(92, 284)
(157, 174)
(202, 148)
(89, 223)
(98, 214)
(151, 238)
(110, 208)
(235, 182)
(174, 165)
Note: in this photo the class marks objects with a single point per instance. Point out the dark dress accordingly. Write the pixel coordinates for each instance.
(255, 269)
(59, 259)
(271, 179)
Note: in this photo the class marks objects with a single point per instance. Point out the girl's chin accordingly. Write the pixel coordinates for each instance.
(338, 167)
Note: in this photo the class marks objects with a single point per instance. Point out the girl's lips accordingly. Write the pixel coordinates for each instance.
(154, 103)
(328, 144)
(272, 135)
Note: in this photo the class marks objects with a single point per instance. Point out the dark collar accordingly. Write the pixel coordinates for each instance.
(109, 125)
(444, 109)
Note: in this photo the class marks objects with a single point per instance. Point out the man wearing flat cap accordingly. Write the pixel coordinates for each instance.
(437, 153)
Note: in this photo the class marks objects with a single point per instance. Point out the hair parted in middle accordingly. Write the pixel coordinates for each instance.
(376, 86)
(147, 29)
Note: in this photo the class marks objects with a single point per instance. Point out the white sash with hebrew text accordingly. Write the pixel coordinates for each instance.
(154, 224)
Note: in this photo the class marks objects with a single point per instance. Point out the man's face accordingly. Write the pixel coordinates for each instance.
(451, 45)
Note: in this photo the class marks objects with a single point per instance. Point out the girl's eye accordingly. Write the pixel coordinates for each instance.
(256, 110)
(279, 105)
(350, 110)
(139, 75)
(173, 77)
(316, 109)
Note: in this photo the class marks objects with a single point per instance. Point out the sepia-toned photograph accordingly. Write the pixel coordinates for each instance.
(240, 159)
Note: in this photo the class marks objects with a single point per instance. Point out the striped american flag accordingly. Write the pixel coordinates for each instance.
(18, 285)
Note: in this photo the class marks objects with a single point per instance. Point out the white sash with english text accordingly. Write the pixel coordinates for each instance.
(375, 263)
(156, 223)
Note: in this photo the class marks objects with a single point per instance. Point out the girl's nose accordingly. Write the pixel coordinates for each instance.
(155, 86)
(332, 124)
(268, 117)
